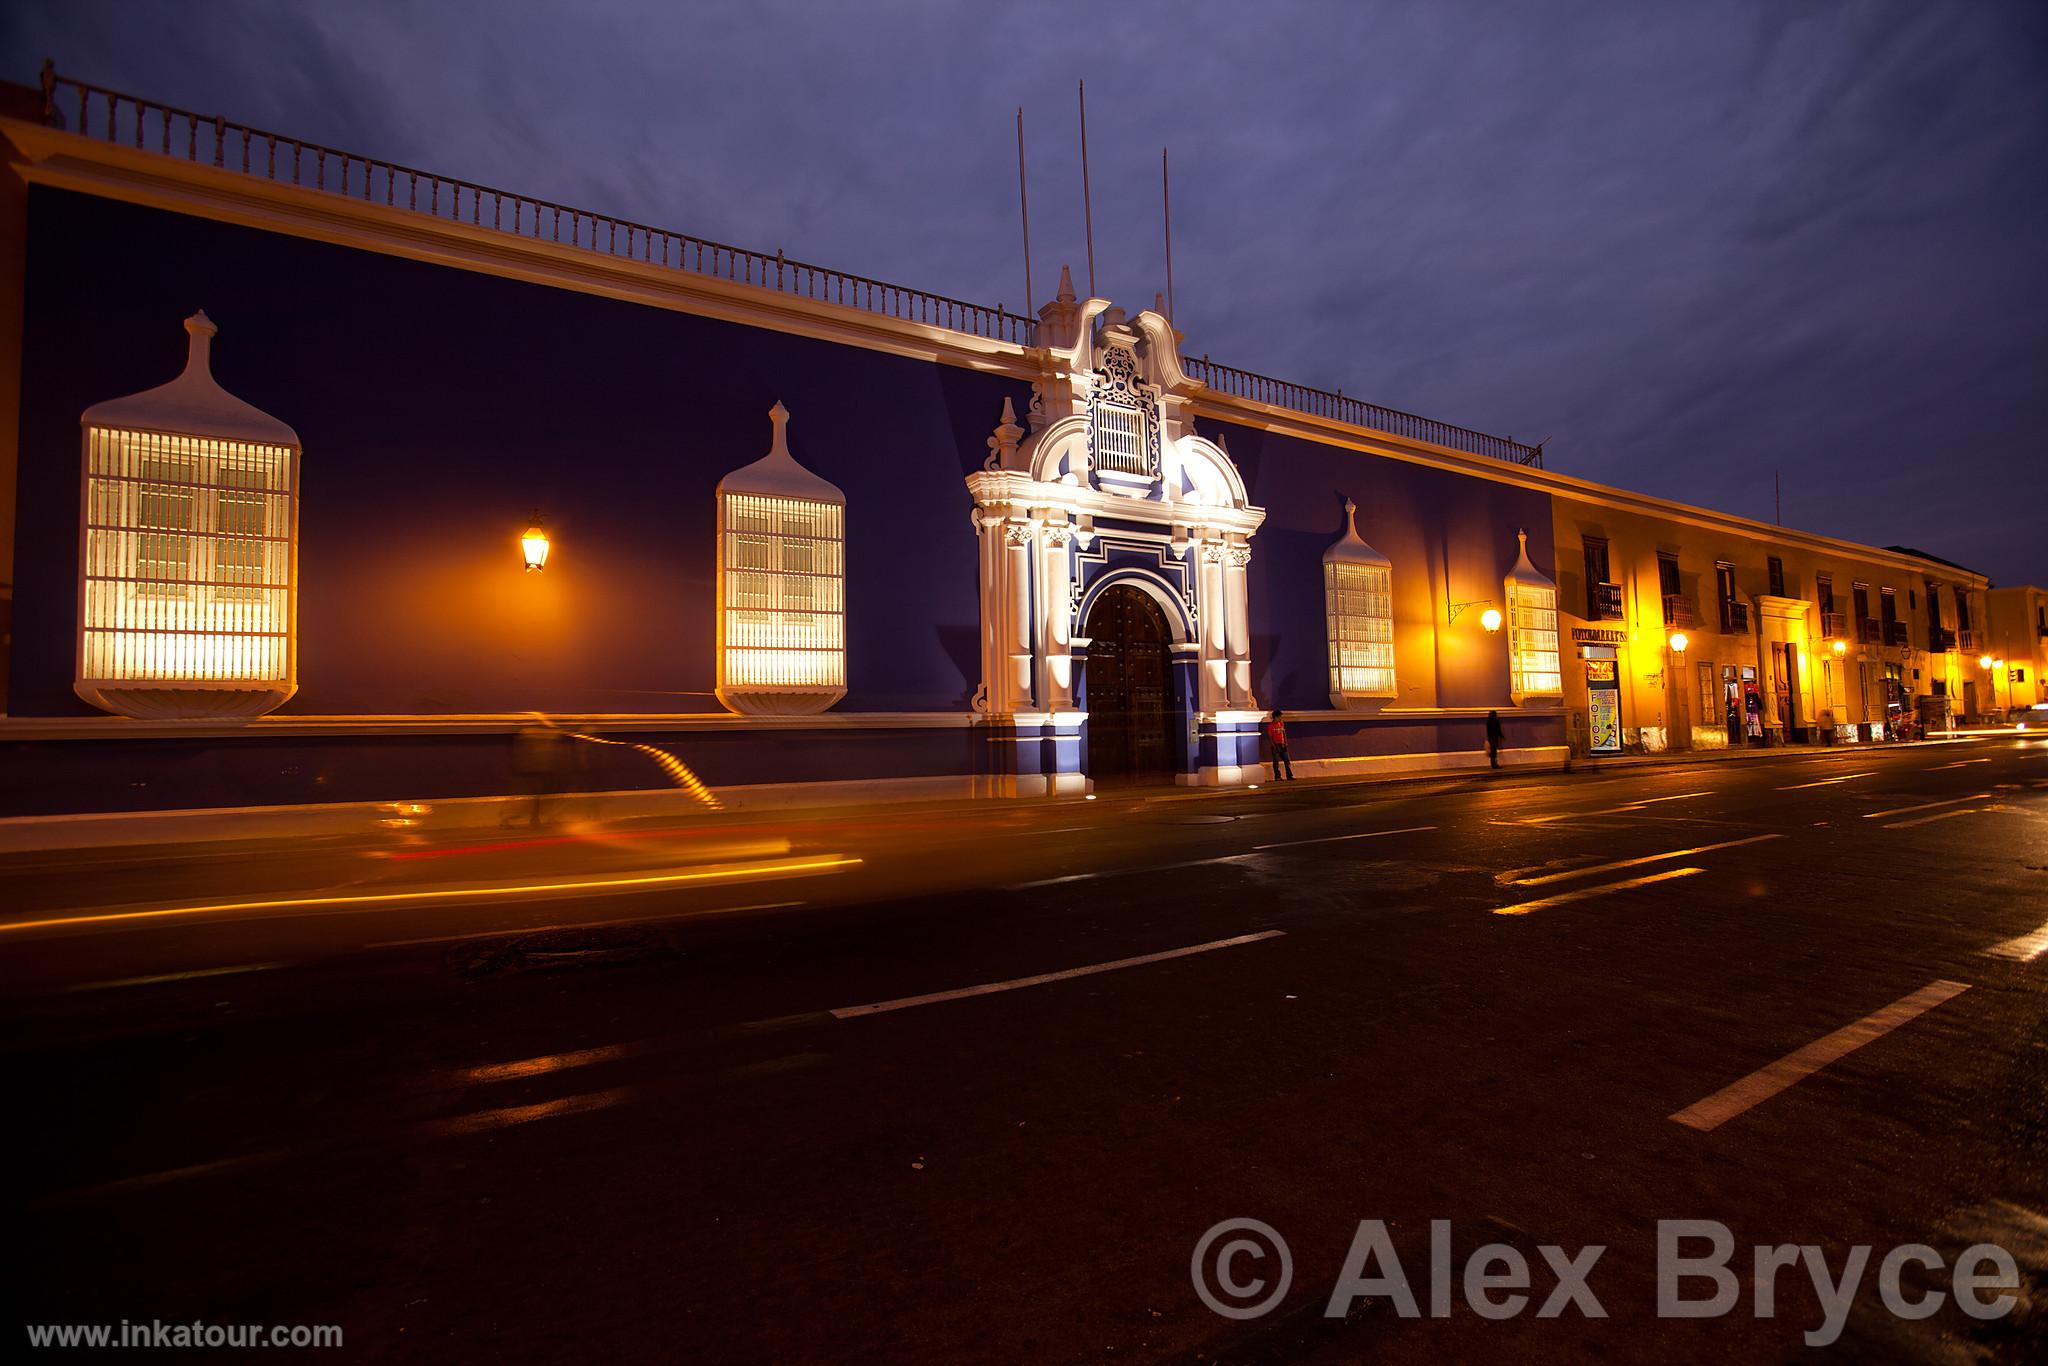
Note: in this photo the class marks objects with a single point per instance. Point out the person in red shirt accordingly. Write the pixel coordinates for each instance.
(1276, 735)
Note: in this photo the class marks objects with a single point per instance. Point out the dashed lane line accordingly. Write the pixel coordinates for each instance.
(1582, 893)
(163, 977)
(1846, 777)
(990, 988)
(1937, 816)
(1332, 839)
(1760, 1085)
(1566, 876)
(1925, 806)
(2024, 949)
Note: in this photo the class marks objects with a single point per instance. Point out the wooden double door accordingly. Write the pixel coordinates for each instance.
(1130, 687)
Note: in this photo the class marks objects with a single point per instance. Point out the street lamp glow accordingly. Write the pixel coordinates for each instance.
(1679, 642)
(533, 544)
(1490, 619)
(1983, 661)
(1841, 647)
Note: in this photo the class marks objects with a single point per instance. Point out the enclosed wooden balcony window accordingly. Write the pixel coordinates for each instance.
(1534, 670)
(1358, 598)
(781, 585)
(187, 584)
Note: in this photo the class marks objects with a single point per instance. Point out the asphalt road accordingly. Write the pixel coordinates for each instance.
(579, 1094)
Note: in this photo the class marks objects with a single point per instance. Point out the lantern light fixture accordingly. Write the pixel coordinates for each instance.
(1983, 661)
(1678, 642)
(1841, 647)
(533, 544)
(1490, 619)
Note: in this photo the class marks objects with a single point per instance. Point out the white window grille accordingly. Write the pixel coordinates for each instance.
(187, 558)
(1358, 595)
(1120, 439)
(785, 616)
(781, 585)
(1533, 666)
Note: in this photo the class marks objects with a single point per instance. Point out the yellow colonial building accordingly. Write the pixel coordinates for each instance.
(1688, 628)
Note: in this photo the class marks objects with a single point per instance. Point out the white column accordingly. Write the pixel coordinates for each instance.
(1209, 601)
(1018, 638)
(1237, 559)
(1056, 612)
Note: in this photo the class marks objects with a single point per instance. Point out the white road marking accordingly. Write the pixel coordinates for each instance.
(584, 924)
(175, 977)
(1610, 810)
(1123, 872)
(1636, 862)
(1925, 806)
(1761, 1085)
(1960, 762)
(1846, 777)
(1580, 894)
(989, 988)
(2024, 949)
(1332, 839)
(1937, 816)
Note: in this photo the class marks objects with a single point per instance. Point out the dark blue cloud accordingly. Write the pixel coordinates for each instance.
(1695, 245)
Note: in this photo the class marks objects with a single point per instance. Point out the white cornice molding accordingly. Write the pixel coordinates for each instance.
(63, 160)
(1286, 422)
(1015, 488)
(67, 161)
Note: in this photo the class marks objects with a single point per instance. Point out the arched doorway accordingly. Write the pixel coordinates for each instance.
(1130, 686)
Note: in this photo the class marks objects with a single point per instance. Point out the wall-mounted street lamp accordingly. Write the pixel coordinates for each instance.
(1983, 661)
(1490, 618)
(533, 544)
(1841, 647)
(1678, 642)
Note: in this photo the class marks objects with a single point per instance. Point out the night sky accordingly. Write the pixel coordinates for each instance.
(1692, 245)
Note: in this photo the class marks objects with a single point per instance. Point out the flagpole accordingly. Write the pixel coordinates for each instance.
(1087, 206)
(1024, 204)
(1166, 213)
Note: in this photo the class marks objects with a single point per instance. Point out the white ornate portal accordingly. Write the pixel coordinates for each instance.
(1110, 485)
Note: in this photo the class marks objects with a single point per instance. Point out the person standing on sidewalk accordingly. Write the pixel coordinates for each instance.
(1276, 735)
(1493, 737)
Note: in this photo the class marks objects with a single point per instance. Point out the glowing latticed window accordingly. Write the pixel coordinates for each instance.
(781, 585)
(187, 558)
(188, 565)
(1358, 596)
(1533, 668)
(785, 615)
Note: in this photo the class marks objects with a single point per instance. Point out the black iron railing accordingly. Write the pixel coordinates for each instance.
(1342, 408)
(1679, 610)
(211, 140)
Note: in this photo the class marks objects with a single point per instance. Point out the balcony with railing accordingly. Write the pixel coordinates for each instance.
(1870, 631)
(1735, 618)
(1969, 640)
(212, 140)
(1940, 640)
(1834, 625)
(1603, 602)
(1679, 610)
(1897, 633)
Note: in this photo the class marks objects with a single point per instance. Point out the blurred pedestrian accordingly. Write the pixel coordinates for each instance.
(540, 758)
(1493, 738)
(1276, 736)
